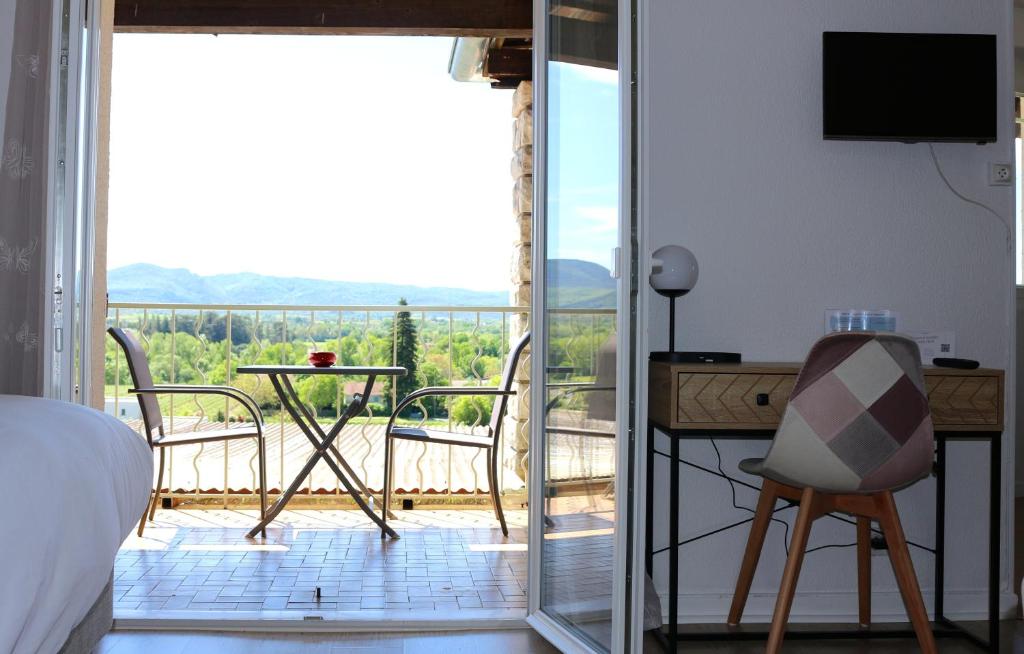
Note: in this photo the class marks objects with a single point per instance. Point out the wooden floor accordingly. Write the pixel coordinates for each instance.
(469, 642)
(477, 642)
(1011, 637)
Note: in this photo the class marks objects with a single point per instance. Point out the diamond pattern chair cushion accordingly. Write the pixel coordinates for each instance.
(858, 418)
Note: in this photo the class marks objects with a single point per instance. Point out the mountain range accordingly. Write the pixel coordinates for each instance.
(142, 282)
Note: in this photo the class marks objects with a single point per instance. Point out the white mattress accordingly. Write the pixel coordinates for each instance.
(73, 483)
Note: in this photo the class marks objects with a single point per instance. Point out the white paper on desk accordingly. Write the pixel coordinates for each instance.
(934, 344)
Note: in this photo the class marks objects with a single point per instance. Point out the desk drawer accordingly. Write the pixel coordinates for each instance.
(686, 399)
(964, 402)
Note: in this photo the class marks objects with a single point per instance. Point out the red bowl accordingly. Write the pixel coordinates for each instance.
(322, 359)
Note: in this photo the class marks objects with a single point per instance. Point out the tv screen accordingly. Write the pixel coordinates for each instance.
(909, 87)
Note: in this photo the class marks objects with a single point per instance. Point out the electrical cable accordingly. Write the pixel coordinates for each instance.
(825, 547)
(1005, 224)
(733, 481)
(732, 487)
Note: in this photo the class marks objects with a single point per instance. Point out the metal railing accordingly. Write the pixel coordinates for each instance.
(203, 344)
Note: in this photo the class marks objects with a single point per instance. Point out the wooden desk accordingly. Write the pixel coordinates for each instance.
(747, 400)
(726, 396)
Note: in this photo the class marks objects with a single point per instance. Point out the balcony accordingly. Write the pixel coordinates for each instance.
(330, 562)
(456, 346)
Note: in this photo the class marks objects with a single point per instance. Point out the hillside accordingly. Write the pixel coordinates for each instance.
(149, 283)
(578, 283)
(575, 284)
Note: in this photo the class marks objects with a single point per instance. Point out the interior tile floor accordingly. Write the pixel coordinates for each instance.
(199, 560)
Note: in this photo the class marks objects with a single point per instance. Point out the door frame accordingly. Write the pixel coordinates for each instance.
(627, 593)
(69, 371)
(71, 199)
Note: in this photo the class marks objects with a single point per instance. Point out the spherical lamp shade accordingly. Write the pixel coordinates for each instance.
(674, 271)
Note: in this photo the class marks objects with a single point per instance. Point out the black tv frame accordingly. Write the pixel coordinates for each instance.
(981, 140)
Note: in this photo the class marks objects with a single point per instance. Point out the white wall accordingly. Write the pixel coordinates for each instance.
(786, 225)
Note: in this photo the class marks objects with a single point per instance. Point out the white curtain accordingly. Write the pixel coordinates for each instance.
(24, 110)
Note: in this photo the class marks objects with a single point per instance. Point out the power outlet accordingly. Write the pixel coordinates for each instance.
(879, 547)
(1000, 174)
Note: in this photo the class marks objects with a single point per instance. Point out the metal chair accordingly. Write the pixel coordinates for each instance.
(488, 442)
(597, 420)
(152, 419)
(857, 428)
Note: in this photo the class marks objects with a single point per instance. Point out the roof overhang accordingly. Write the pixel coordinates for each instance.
(491, 18)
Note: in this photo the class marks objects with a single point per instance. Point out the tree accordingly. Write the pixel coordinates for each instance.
(216, 329)
(321, 391)
(405, 344)
(431, 375)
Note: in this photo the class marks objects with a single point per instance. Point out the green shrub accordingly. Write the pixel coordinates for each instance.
(377, 408)
(472, 410)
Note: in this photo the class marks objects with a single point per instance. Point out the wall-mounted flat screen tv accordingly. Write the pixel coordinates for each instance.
(909, 87)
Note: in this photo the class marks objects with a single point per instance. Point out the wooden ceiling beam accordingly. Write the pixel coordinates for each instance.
(498, 18)
(509, 62)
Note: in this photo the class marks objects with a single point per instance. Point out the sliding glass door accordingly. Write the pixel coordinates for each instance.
(582, 353)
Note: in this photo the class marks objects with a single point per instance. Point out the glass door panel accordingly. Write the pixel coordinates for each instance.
(579, 345)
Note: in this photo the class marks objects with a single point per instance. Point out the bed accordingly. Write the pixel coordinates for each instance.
(73, 483)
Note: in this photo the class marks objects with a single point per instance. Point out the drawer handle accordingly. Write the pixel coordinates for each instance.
(762, 399)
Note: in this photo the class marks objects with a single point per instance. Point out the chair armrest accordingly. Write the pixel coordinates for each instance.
(560, 370)
(579, 431)
(443, 391)
(236, 394)
(571, 389)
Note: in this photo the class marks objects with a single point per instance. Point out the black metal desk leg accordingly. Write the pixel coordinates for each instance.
(940, 526)
(649, 525)
(673, 548)
(995, 518)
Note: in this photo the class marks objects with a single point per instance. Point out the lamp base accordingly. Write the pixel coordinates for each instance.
(696, 357)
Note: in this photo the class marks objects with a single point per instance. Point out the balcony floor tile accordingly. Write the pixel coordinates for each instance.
(199, 559)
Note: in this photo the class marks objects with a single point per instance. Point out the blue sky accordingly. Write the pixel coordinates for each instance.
(343, 158)
(234, 153)
(583, 158)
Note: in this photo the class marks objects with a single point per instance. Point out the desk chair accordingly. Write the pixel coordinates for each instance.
(857, 428)
(153, 422)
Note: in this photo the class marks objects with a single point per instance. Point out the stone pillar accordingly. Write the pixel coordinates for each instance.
(517, 426)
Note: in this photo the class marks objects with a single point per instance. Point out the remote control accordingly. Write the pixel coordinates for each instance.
(963, 364)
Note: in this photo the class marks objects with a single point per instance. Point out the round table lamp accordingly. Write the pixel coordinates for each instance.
(675, 271)
(674, 274)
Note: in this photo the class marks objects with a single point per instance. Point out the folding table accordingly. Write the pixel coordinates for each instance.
(322, 441)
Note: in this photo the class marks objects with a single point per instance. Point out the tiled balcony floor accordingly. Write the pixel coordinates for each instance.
(200, 561)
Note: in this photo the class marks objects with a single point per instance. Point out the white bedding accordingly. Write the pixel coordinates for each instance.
(73, 483)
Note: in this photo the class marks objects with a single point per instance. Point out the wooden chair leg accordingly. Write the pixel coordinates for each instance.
(150, 511)
(492, 482)
(797, 546)
(159, 485)
(864, 570)
(145, 517)
(755, 541)
(386, 499)
(903, 567)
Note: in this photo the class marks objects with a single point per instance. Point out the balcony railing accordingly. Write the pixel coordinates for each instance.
(456, 346)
